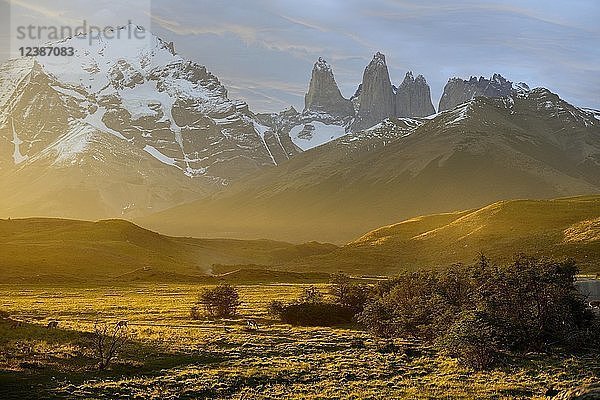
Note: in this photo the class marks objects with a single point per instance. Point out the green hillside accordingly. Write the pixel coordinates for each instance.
(568, 227)
(48, 250)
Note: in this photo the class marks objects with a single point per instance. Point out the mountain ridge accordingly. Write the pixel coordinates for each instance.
(528, 145)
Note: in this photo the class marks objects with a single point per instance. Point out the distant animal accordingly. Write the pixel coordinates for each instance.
(52, 324)
(251, 325)
(594, 304)
(122, 323)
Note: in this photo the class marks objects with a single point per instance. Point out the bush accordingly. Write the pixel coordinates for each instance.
(407, 306)
(108, 341)
(220, 302)
(310, 309)
(195, 313)
(311, 295)
(528, 305)
(532, 303)
(349, 294)
(472, 340)
(313, 314)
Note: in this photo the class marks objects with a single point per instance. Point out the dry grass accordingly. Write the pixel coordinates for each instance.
(173, 356)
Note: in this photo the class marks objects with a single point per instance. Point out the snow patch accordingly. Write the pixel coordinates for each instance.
(261, 130)
(73, 143)
(17, 156)
(315, 134)
(95, 120)
(159, 156)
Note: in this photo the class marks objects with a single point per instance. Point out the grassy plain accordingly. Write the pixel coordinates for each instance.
(172, 357)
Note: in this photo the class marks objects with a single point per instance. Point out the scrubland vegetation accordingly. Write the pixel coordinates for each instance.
(482, 331)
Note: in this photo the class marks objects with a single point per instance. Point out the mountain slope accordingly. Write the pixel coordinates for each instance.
(57, 249)
(559, 228)
(529, 145)
(132, 107)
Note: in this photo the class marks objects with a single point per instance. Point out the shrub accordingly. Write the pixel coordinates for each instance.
(195, 313)
(108, 341)
(531, 302)
(408, 305)
(275, 308)
(314, 314)
(472, 340)
(311, 295)
(528, 305)
(310, 309)
(349, 294)
(221, 301)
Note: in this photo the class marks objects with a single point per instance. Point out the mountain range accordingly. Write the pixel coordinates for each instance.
(130, 129)
(530, 144)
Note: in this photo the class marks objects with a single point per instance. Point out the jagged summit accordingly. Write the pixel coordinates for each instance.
(322, 65)
(413, 97)
(376, 98)
(458, 91)
(324, 97)
(378, 59)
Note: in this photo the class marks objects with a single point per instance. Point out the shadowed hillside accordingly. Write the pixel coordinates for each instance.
(53, 249)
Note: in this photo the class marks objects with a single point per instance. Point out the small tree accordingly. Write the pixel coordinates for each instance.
(221, 301)
(108, 341)
(311, 295)
(349, 294)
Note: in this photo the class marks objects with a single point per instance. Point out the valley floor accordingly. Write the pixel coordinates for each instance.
(172, 356)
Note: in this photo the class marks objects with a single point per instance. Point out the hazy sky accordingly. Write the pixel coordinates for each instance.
(263, 50)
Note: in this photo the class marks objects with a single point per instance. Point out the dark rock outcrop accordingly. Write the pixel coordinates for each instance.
(376, 98)
(324, 96)
(458, 91)
(413, 97)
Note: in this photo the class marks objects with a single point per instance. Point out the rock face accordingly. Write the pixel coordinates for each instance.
(376, 98)
(324, 96)
(413, 97)
(458, 91)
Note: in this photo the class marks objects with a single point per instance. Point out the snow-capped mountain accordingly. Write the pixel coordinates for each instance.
(327, 115)
(134, 103)
(530, 144)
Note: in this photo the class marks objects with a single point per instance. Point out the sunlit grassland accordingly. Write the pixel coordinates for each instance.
(173, 356)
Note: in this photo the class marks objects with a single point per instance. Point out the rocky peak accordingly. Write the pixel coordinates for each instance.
(413, 97)
(324, 96)
(458, 91)
(376, 99)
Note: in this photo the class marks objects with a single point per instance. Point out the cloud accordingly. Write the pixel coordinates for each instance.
(305, 24)
(266, 48)
(39, 9)
(247, 33)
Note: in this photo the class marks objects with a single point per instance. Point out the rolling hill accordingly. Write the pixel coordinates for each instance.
(567, 227)
(52, 250)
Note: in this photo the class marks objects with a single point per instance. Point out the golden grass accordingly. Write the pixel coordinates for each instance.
(174, 356)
